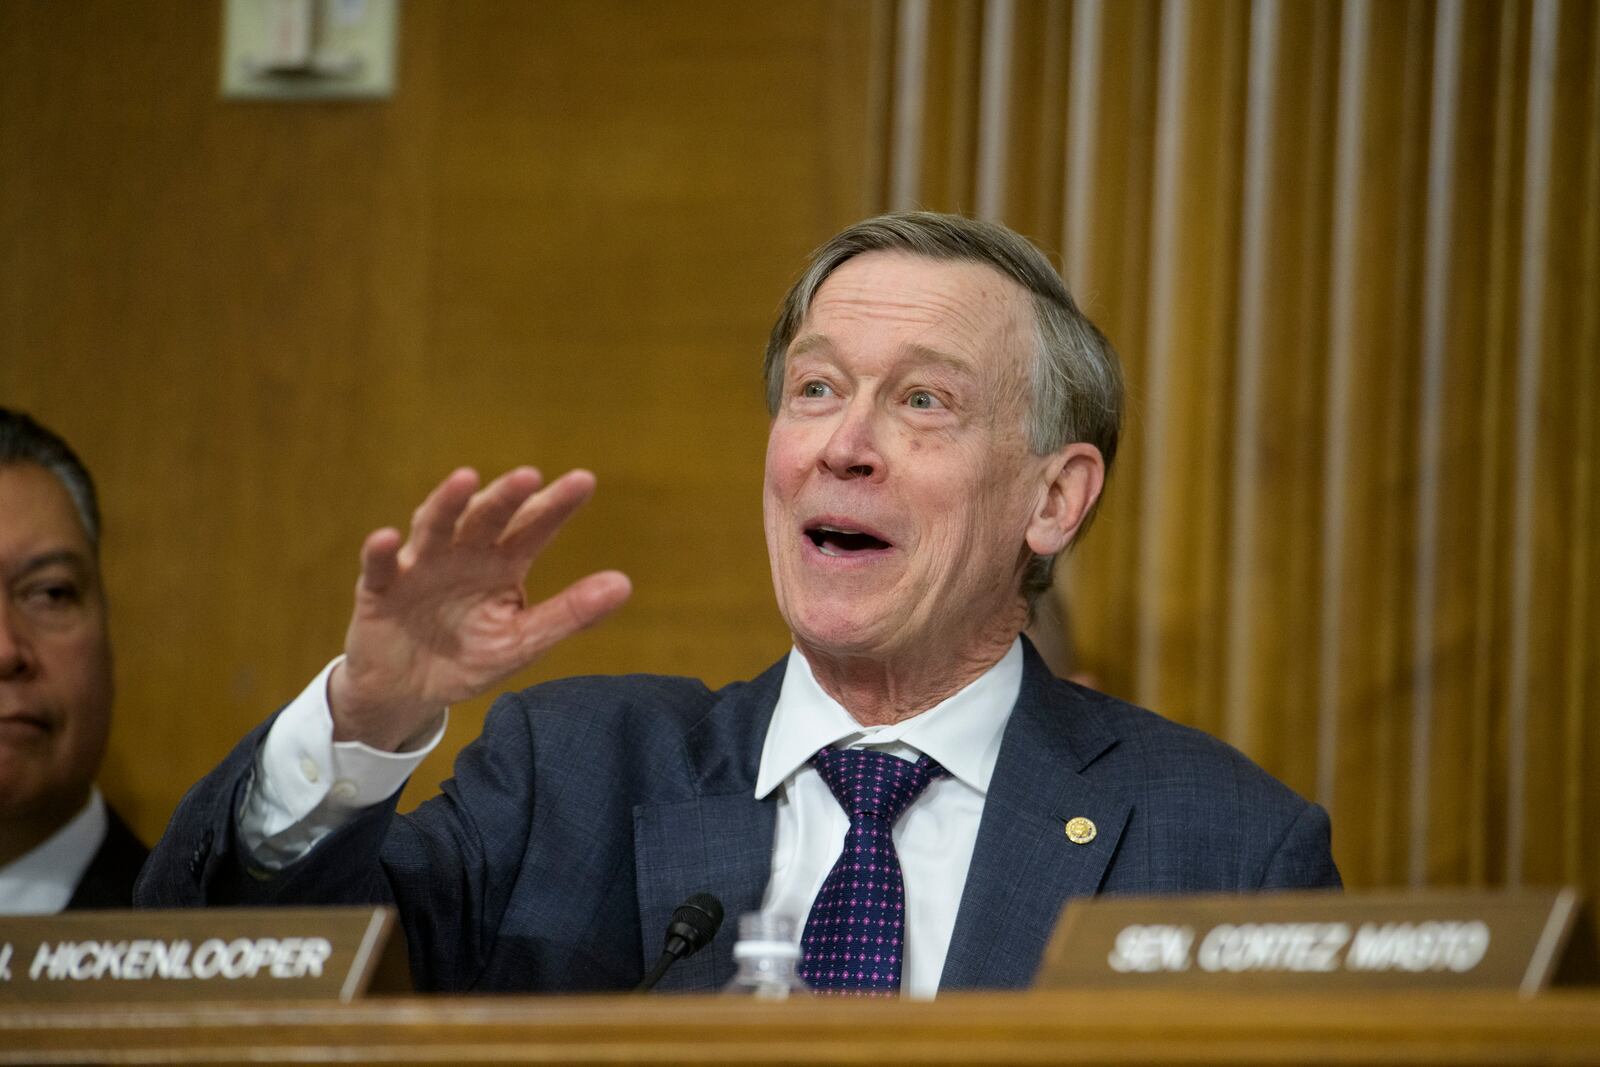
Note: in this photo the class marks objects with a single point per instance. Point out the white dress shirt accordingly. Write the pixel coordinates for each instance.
(935, 835)
(307, 785)
(42, 880)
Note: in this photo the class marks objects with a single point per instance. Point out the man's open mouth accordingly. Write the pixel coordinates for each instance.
(841, 541)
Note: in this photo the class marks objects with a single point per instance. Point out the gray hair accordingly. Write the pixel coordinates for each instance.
(1075, 375)
(22, 440)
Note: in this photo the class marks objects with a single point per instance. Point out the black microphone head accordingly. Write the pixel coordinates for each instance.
(693, 925)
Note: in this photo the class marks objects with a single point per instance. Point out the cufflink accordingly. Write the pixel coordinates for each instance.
(1080, 831)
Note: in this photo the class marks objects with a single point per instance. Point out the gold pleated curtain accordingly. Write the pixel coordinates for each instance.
(1350, 254)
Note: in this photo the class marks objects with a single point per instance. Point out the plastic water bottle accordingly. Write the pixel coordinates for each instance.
(768, 953)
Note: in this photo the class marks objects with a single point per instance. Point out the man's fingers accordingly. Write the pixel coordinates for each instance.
(380, 559)
(531, 528)
(577, 607)
(433, 524)
(492, 507)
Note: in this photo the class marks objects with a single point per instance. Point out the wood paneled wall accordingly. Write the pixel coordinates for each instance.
(1350, 253)
(269, 328)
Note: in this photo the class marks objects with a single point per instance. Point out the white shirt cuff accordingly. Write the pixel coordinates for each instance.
(306, 785)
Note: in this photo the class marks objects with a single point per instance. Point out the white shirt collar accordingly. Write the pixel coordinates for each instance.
(961, 732)
(42, 881)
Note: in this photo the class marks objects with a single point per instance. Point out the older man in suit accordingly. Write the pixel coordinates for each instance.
(910, 782)
(61, 847)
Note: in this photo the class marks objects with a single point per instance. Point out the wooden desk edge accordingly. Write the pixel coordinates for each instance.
(1081, 1028)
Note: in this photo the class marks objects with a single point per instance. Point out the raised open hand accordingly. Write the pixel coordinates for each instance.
(443, 617)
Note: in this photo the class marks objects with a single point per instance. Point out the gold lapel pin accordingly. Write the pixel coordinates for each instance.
(1080, 831)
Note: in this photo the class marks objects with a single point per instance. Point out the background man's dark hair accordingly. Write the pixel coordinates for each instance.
(22, 440)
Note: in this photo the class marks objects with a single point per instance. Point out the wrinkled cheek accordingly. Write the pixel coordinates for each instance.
(776, 521)
(990, 543)
(785, 443)
(780, 553)
(772, 495)
(783, 477)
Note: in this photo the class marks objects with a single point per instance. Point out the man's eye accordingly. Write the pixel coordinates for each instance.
(923, 400)
(814, 390)
(53, 595)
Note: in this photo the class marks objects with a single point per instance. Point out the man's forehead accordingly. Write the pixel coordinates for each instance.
(963, 305)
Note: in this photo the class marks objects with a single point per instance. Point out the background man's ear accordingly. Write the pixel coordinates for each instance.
(1077, 474)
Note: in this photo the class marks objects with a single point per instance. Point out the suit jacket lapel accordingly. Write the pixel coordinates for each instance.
(716, 840)
(1024, 868)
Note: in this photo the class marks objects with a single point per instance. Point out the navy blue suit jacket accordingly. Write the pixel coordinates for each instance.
(589, 808)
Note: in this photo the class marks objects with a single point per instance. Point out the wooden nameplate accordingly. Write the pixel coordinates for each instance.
(202, 954)
(1324, 941)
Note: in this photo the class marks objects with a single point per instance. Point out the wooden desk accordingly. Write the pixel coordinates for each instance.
(1078, 1028)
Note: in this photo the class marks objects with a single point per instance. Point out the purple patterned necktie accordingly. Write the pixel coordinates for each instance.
(855, 936)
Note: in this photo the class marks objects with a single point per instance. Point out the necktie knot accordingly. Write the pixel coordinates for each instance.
(867, 782)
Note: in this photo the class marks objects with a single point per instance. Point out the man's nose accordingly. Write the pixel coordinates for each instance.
(852, 449)
(16, 655)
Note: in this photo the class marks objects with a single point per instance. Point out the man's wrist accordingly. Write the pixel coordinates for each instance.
(384, 726)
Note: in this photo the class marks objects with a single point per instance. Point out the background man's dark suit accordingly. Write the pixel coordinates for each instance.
(641, 793)
(108, 880)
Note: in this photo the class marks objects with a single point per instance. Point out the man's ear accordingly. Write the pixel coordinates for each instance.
(1076, 474)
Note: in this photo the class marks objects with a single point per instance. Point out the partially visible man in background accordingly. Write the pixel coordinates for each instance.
(60, 845)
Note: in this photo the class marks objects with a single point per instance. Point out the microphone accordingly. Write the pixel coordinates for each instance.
(693, 926)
